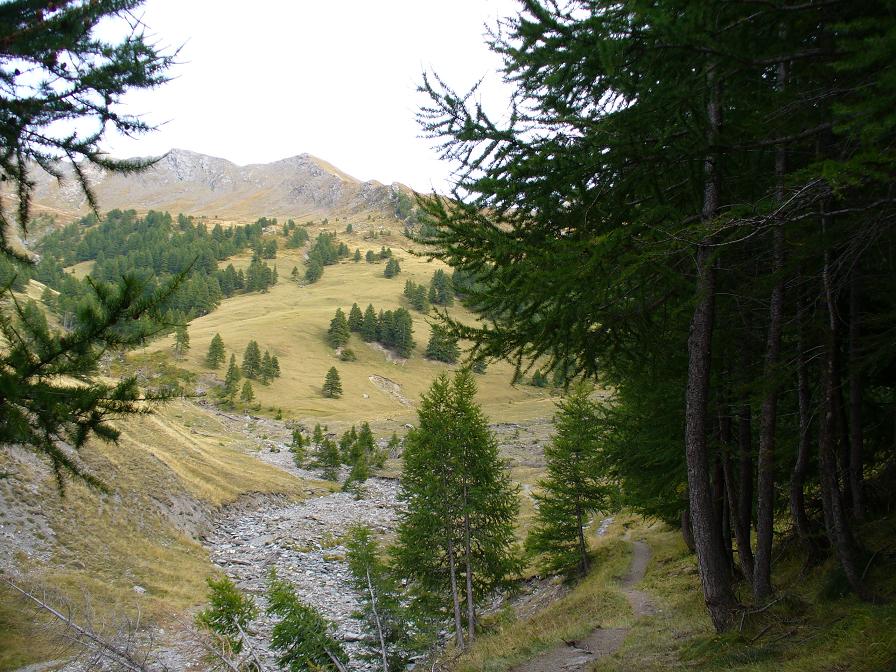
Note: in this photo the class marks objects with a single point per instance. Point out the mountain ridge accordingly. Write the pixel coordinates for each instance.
(192, 183)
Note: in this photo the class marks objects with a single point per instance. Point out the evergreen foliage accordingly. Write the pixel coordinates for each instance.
(456, 534)
(441, 291)
(417, 295)
(328, 459)
(215, 356)
(370, 325)
(392, 268)
(442, 345)
(229, 612)
(370, 257)
(251, 367)
(297, 448)
(301, 636)
(339, 332)
(355, 319)
(247, 394)
(297, 238)
(231, 379)
(687, 207)
(357, 256)
(332, 387)
(181, 342)
(575, 486)
(391, 629)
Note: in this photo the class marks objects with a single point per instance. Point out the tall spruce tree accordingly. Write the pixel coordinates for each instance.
(251, 367)
(370, 325)
(338, 333)
(456, 534)
(232, 379)
(442, 345)
(574, 488)
(332, 387)
(355, 318)
(215, 356)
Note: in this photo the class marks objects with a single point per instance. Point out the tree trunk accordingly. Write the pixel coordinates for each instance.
(458, 622)
(714, 574)
(856, 438)
(798, 475)
(768, 419)
(741, 534)
(687, 532)
(745, 485)
(471, 605)
(836, 521)
(583, 549)
(379, 625)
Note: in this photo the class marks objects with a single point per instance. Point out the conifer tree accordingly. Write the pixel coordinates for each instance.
(370, 257)
(275, 367)
(297, 448)
(232, 379)
(357, 256)
(328, 459)
(215, 356)
(251, 360)
(266, 370)
(392, 268)
(442, 345)
(346, 445)
(455, 537)
(332, 387)
(301, 635)
(338, 333)
(228, 614)
(181, 342)
(370, 326)
(318, 436)
(389, 624)
(574, 488)
(247, 394)
(355, 318)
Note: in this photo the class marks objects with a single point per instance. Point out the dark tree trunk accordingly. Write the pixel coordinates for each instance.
(583, 548)
(836, 520)
(714, 574)
(687, 532)
(762, 584)
(458, 621)
(741, 533)
(745, 477)
(856, 437)
(768, 418)
(798, 475)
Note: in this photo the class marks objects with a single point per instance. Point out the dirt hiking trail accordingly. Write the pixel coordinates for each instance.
(577, 656)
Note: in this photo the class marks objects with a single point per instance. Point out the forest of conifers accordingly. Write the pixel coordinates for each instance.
(693, 202)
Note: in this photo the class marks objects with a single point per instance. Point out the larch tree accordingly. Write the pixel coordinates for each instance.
(574, 488)
(215, 356)
(57, 68)
(456, 535)
(339, 332)
(685, 201)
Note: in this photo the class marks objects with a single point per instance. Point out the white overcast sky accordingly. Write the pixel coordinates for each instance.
(268, 79)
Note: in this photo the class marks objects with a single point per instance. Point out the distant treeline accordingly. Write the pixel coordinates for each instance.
(154, 249)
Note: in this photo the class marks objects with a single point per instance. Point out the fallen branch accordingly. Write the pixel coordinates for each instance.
(85, 637)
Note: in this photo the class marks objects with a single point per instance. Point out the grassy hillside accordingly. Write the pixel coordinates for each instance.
(168, 473)
(291, 321)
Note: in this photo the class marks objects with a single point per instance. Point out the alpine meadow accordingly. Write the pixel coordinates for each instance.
(610, 386)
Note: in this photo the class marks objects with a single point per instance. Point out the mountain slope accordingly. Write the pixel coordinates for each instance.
(197, 184)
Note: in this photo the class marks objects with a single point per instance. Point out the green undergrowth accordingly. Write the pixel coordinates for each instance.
(595, 601)
(814, 624)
